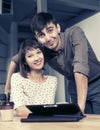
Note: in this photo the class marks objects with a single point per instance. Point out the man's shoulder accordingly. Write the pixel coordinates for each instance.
(15, 58)
(72, 29)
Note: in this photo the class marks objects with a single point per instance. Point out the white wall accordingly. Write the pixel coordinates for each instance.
(91, 27)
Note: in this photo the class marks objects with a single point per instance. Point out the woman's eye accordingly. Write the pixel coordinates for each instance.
(41, 35)
(29, 56)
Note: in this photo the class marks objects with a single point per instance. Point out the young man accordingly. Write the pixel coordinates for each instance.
(70, 54)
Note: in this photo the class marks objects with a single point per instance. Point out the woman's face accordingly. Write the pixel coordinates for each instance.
(35, 59)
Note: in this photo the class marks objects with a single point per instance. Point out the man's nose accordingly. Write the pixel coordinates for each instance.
(47, 37)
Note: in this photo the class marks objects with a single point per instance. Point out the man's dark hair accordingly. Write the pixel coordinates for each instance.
(40, 20)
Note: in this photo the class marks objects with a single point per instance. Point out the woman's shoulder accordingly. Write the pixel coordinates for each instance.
(52, 77)
(52, 80)
(16, 75)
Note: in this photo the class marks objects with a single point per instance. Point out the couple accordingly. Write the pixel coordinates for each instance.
(71, 55)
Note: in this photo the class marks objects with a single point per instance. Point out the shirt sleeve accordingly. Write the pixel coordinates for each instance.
(80, 48)
(17, 94)
(15, 59)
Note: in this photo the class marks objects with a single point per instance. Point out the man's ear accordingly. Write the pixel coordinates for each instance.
(58, 28)
(35, 35)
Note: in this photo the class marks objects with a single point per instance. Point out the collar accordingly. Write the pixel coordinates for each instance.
(61, 49)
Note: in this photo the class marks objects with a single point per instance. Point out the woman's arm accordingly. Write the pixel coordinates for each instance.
(23, 111)
(18, 96)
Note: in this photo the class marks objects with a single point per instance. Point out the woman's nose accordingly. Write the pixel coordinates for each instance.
(36, 57)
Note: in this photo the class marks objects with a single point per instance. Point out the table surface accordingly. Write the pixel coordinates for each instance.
(90, 122)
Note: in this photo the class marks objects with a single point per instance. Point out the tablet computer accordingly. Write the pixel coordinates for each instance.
(54, 113)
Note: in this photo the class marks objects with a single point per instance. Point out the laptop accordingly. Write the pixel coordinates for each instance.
(54, 113)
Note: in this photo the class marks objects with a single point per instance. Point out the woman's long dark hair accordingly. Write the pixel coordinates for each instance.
(27, 45)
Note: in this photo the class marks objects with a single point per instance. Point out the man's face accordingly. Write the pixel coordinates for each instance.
(49, 36)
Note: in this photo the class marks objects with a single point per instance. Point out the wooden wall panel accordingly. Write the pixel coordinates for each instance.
(3, 50)
(3, 62)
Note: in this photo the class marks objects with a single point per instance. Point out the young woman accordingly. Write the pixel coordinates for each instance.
(30, 86)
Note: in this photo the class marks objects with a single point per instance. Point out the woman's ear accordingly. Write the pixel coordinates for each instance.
(35, 36)
(58, 28)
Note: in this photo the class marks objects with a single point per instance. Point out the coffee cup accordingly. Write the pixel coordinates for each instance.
(7, 111)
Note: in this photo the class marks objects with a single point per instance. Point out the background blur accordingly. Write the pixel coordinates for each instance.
(15, 18)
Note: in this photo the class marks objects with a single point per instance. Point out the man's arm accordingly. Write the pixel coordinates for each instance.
(80, 64)
(82, 88)
(11, 70)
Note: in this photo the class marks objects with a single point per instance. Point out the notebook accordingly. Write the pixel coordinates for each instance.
(54, 113)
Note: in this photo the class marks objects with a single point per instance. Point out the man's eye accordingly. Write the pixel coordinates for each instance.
(50, 30)
(39, 52)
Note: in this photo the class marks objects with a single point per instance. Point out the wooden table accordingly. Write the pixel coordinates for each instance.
(90, 122)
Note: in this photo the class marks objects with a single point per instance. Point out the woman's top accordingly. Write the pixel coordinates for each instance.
(26, 92)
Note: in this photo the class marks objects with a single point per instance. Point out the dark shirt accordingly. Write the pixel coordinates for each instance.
(16, 60)
(76, 55)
